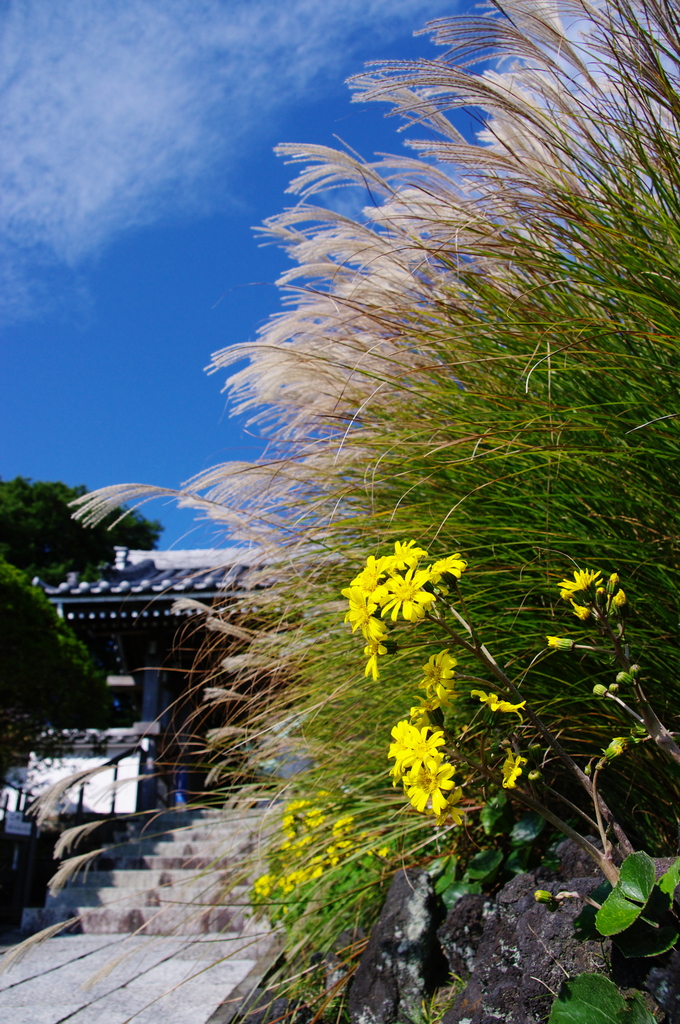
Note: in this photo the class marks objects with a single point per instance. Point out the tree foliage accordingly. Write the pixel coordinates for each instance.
(38, 535)
(48, 682)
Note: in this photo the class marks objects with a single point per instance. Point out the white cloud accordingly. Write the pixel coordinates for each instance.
(112, 113)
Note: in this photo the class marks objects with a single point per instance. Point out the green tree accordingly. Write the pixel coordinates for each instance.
(48, 682)
(39, 536)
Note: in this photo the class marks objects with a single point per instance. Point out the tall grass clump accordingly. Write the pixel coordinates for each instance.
(487, 361)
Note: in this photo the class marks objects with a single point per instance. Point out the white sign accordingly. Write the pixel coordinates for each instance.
(15, 824)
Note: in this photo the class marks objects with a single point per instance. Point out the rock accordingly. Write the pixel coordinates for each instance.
(461, 932)
(263, 1007)
(663, 983)
(403, 962)
(524, 954)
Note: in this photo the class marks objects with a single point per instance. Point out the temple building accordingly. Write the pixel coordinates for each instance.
(142, 635)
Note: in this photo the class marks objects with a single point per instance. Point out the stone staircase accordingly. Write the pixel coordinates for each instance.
(174, 877)
(163, 933)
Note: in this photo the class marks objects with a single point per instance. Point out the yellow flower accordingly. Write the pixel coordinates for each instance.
(495, 703)
(314, 819)
(263, 887)
(438, 670)
(370, 579)
(427, 783)
(453, 564)
(582, 581)
(372, 649)
(407, 595)
(343, 825)
(512, 769)
(450, 811)
(406, 554)
(360, 615)
(580, 611)
(619, 599)
(412, 745)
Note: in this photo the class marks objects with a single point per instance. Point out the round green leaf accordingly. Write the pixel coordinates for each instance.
(671, 879)
(637, 877)
(496, 815)
(454, 892)
(642, 939)
(484, 864)
(588, 999)
(527, 829)
(616, 913)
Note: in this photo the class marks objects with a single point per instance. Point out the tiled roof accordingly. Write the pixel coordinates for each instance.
(167, 574)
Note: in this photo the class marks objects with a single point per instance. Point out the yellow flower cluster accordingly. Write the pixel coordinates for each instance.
(393, 585)
(587, 592)
(301, 820)
(426, 777)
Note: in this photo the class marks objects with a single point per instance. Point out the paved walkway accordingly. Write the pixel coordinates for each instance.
(146, 980)
(192, 966)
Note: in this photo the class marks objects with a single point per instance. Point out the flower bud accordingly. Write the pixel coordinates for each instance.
(535, 751)
(614, 688)
(601, 596)
(612, 583)
(624, 677)
(635, 671)
(535, 775)
(560, 643)
(546, 898)
(588, 769)
(616, 747)
(599, 690)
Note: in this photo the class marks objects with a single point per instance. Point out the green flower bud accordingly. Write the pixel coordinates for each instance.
(599, 690)
(624, 677)
(546, 898)
(614, 688)
(587, 770)
(635, 671)
(616, 747)
(612, 583)
(535, 751)
(534, 775)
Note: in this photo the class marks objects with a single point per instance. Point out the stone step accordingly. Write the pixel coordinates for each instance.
(153, 862)
(143, 879)
(181, 845)
(201, 891)
(166, 919)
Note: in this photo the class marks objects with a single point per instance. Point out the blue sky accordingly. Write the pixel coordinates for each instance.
(135, 157)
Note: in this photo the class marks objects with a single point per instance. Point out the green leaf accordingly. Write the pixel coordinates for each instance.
(454, 892)
(496, 815)
(516, 863)
(588, 999)
(657, 907)
(616, 913)
(642, 939)
(637, 877)
(637, 1012)
(584, 925)
(527, 829)
(593, 999)
(670, 879)
(484, 865)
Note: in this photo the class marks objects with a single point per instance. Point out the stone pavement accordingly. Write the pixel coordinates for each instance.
(147, 980)
(163, 939)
